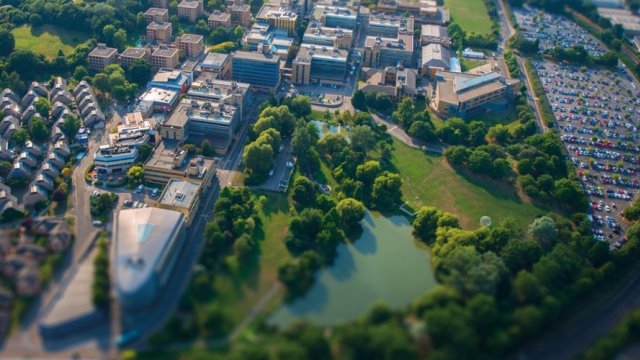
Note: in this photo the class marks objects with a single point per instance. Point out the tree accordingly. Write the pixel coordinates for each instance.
(351, 212)
(243, 247)
(43, 106)
(300, 106)
(405, 113)
(423, 131)
(520, 254)
(304, 192)
(120, 39)
(144, 151)
(362, 138)
(7, 42)
(387, 192)
(543, 230)
(368, 172)
(80, 72)
(479, 161)
(135, 175)
(258, 159)
(207, 149)
(5, 167)
(359, 101)
(457, 155)
(471, 272)
(140, 72)
(20, 137)
(426, 223)
(38, 130)
(70, 126)
(305, 138)
(108, 32)
(101, 82)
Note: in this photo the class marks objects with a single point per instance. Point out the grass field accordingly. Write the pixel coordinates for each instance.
(471, 15)
(47, 39)
(468, 64)
(429, 180)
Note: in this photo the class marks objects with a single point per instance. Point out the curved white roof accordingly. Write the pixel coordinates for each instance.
(143, 239)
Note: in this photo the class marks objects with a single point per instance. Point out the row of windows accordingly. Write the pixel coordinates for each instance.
(264, 74)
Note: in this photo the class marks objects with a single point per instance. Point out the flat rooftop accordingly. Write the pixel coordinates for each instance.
(158, 95)
(164, 154)
(156, 11)
(189, 4)
(308, 52)
(255, 56)
(166, 52)
(212, 112)
(191, 38)
(404, 42)
(316, 29)
(215, 60)
(219, 16)
(270, 11)
(154, 25)
(179, 193)
(133, 52)
(209, 87)
(103, 51)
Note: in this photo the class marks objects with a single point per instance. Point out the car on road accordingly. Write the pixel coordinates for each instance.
(270, 172)
(289, 164)
(128, 203)
(139, 189)
(128, 337)
(97, 223)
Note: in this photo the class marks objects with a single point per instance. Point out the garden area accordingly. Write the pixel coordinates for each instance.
(471, 15)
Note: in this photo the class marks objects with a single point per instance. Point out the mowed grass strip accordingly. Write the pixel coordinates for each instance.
(471, 15)
(47, 39)
(430, 180)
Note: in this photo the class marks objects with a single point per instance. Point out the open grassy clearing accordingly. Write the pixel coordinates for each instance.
(468, 64)
(429, 180)
(471, 15)
(47, 39)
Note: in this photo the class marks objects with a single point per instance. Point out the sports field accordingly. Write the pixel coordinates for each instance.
(47, 39)
(471, 15)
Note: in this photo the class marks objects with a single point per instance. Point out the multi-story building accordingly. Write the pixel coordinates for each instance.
(181, 195)
(131, 54)
(171, 79)
(460, 93)
(110, 160)
(157, 99)
(317, 34)
(381, 52)
(165, 57)
(159, 3)
(319, 64)
(192, 45)
(435, 58)
(101, 57)
(389, 26)
(261, 39)
(336, 16)
(219, 19)
(190, 10)
(397, 82)
(240, 14)
(218, 64)
(208, 88)
(434, 34)
(157, 15)
(148, 243)
(170, 161)
(278, 18)
(160, 31)
(204, 119)
(260, 70)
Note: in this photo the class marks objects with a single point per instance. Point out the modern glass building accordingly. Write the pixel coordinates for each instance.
(148, 242)
(257, 69)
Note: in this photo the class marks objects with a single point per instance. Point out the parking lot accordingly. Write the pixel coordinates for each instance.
(283, 167)
(597, 111)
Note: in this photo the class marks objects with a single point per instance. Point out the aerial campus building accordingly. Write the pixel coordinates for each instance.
(260, 70)
(148, 242)
(319, 64)
(460, 93)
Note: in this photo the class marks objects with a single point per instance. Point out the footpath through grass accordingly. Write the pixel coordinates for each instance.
(471, 15)
(47, 39)
(429, 180)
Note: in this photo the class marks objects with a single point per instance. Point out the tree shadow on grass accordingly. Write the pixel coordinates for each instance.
(70, 38)
(498, 189)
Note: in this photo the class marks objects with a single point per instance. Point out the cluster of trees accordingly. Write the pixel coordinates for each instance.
(490, 159)
(498, 286)
(100, 287)
(371, 100)
(114, 81)
(205, 148)
(526, 47)
(538, 90)
(258, 156)
(417, 124)
(101, 204)
(578, 55)
(62, 185)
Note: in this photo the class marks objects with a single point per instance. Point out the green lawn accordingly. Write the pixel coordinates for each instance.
(471, 15)
(47, 39)
(429, 180)
(239, 291)
(468, 64)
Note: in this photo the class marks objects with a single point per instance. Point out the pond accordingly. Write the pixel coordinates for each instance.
(386, 263)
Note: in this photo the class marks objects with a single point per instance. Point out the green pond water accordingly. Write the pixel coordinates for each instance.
(386, 263)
